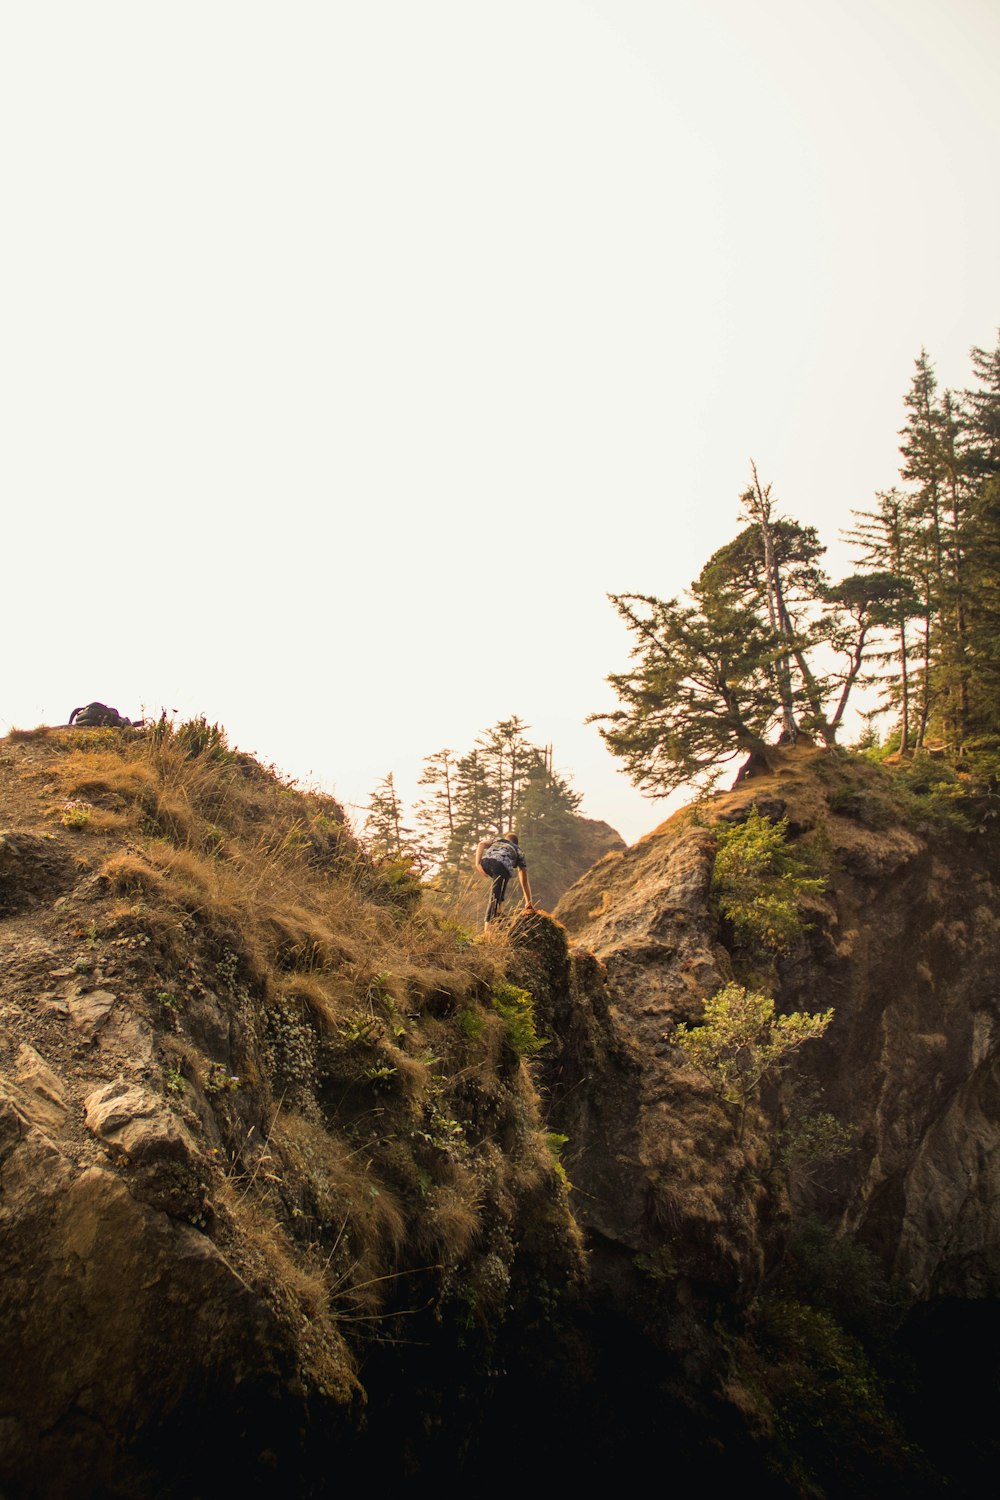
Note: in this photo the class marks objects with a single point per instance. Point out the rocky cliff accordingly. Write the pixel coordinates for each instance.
(264, 1121)
(904, 944)
(280, 1189)
(893, 1219)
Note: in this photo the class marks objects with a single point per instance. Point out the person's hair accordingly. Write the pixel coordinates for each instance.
(511, 838)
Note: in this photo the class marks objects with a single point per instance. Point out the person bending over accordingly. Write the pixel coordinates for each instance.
(497, 859)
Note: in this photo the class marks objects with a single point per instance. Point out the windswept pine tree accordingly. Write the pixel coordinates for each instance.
(763, 644)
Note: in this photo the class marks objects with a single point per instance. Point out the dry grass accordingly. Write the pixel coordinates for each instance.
(379, 1141)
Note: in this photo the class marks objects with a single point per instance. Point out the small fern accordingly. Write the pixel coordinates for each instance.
(517, 1008)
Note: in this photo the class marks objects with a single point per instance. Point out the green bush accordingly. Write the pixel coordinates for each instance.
(759, 883)
(829, 1403)
(741, 1041)
(833, 1272)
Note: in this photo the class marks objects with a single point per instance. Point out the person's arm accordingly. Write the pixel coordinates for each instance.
(522, 876)
(481, 848)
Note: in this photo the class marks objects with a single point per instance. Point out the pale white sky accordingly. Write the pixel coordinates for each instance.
(350, 354)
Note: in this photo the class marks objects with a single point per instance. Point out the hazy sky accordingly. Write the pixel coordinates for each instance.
(350, 354)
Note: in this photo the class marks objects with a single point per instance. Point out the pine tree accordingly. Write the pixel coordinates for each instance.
(436, 813)
(702, 691)
(474, 809)
(884, 541)
(776, 556)
(936, 467)
(505, 754)
(980, 438)
(385, 833)
(548, 827)
(773, 564)
(984, 622)
(860, 608)
(981, 415)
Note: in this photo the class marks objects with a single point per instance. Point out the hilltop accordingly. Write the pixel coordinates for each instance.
(265, 1115)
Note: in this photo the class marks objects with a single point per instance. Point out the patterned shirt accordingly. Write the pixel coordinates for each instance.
(506, 854)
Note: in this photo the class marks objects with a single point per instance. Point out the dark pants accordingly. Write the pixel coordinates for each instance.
(499, 874)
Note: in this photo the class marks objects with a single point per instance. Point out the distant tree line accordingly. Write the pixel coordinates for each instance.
(504, 782)
(763, 642)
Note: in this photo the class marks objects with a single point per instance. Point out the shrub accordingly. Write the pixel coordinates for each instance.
(829, 1404)
(741, 1041)
(833, 1272)
(759, 883)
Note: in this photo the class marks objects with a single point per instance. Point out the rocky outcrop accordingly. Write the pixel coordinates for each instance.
(111, 1306)
(279, 1199)
(579, 844)
(32, 868)
(905, 945)
(658, 1171)
(273, 1172)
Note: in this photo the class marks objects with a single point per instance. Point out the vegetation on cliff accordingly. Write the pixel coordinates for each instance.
(256, 1029)
(764, 641)
(283, 1140)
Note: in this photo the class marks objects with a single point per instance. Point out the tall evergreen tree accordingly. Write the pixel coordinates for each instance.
(980, 409)
(436, 813)
(772, 566)
(860, 608)
(385, 833)
(786, 567)
(548, 826)
(475, 807)
(936, 467)
(981, 415)
(883, 539)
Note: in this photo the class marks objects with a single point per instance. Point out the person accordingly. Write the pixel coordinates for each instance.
(497, 859)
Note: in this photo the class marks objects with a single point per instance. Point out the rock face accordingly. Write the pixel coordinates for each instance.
(273, 1172)
(110, 1306)
(587, 841)
(905, 945)
(32, 867)
(278, 1201)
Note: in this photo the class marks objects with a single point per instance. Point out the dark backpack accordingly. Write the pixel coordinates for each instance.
(97, 716)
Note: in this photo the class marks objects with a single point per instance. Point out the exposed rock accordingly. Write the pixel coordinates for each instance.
(43, 1096)
(89, 1009)
(587, 841)
(646, 915)
(905, 947)
(134, 1301)
(137, 1122)
(306, 1165)
(32, 869)
(24, 957)
(205, 1021)
(141, 1127)
(654, 1161)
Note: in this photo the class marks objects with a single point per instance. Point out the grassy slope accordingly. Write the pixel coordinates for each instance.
(370, 1148)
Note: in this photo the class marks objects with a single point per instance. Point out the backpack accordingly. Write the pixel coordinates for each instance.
(97, 716)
